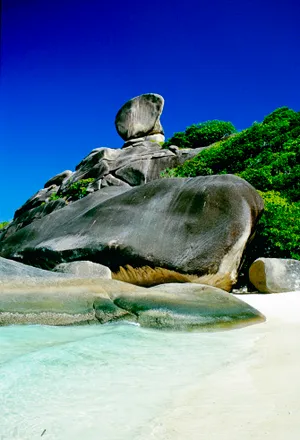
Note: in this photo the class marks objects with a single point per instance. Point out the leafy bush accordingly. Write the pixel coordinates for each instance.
(267, 155)
(3, 224)
(75, 191)
(278, 232)
(201, 135)
(54, 196)
(78, 190)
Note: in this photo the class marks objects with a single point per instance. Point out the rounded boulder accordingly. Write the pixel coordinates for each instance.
(139, 117)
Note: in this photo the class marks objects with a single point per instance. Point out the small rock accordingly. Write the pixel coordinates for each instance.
(58, 179)
(275, 275)
(110, 180)
(84, 269)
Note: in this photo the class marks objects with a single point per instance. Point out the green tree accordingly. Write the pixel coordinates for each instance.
(201, 135)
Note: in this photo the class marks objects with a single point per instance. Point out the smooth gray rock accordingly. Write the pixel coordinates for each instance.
(193, 309)
(80, 301)
(84, 269)
(135, 173)
(196, 227)
(134, 165)
(36, 200)
(10, 269)
(146, 169)
(131, 166)
(110, 180)
(140, 117)
(29, 216)
(95, 165)
(58, 179)
(275, 275)
(157, 138)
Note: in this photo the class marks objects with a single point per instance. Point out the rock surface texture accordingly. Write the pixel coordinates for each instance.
(84, 269)
(58, 179)
(275, 275)
(141, 160)
(139, 117)
(14, 270)
(77, 301)
(128, 167)
(168, 229)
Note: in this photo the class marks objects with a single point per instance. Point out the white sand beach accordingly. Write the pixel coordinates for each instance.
(256, 398)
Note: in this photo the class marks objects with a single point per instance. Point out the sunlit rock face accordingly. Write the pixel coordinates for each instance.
(93, 301)
(275, 275)
(139, 117)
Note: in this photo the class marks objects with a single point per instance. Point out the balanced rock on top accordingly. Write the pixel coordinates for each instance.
(139, 118)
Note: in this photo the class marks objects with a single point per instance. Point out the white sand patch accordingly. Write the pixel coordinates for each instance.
(280, 306)
(255, 398)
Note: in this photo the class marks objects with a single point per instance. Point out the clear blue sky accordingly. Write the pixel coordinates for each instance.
(68, 65)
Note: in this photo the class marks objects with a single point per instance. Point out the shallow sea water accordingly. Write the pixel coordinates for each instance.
(108, 382)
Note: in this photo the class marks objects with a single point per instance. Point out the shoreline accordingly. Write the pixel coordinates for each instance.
(256, 397)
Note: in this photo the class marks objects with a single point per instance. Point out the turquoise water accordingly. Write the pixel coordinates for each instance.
(107, 382)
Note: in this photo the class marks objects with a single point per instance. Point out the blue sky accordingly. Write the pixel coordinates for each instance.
(67, 66)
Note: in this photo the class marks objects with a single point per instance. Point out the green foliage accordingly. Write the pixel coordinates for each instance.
(201, 135)
(268, 156)
(54, 196)
(3, 224)
(78, 190)
(278, 232)
(75, 191)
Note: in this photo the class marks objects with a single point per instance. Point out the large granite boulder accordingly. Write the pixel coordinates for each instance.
(43, 210)
(77, 301)
(166, 230)
(139, 117)
(275, 275)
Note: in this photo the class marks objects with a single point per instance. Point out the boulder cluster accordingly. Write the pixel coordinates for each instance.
(129, 224)
(141, 160)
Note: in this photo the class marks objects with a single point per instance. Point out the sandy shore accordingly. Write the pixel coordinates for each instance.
(256, 398)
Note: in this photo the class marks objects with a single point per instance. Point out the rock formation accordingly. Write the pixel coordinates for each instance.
(10, 270)
(87, 301)
(115, 210)
(139, 119)
(141, 160)
(176, 229)
(275, 275)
